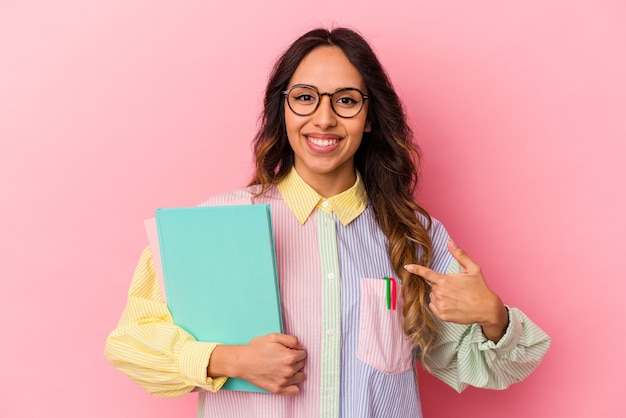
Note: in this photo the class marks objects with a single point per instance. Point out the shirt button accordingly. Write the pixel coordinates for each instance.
(329, 391)
(325, 204)
(330, 332)
(330, 276)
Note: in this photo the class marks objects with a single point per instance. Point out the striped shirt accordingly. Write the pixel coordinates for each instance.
(332, 259)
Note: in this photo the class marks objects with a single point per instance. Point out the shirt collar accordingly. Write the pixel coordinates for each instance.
(302, 199)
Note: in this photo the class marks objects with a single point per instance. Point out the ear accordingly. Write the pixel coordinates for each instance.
(368, 126)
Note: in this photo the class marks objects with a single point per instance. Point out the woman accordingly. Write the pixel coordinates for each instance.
(335, 160)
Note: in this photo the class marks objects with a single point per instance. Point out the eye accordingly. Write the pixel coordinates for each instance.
(304, 98)
(347, 99)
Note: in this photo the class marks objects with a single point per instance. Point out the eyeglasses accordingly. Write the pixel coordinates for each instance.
(303, 100)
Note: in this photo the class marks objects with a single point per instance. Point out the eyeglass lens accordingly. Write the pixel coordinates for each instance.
(305, 100)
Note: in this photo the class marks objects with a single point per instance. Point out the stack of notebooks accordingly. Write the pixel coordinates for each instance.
(218, 267)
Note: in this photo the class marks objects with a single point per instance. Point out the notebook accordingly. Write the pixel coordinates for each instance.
(219, 273)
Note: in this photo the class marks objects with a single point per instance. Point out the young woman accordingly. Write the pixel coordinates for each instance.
(335, 160)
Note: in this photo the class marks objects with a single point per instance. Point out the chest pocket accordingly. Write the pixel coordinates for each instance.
(382, 343)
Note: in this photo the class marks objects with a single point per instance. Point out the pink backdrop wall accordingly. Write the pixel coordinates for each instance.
(109, 110)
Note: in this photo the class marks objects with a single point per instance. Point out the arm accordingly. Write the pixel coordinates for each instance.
(462, 356)
(146, 345)
(481, 343)
(167, 361)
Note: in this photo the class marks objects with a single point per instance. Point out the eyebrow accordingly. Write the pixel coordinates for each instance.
(320, 91)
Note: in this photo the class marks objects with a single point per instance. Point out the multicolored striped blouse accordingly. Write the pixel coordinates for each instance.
(332, 264)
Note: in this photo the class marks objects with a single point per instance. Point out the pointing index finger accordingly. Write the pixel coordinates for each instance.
(429, 275)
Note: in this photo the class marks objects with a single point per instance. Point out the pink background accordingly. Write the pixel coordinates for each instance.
(110, 109)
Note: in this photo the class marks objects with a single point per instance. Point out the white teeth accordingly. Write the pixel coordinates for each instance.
(322, 142)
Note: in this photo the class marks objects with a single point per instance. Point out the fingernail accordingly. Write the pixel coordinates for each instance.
(452, 243)
(408, 267)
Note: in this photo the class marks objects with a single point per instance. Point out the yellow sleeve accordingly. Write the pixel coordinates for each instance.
(149, 348)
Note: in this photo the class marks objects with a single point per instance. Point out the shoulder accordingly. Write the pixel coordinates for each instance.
(240, 196)
(441, 257)
(436, 230)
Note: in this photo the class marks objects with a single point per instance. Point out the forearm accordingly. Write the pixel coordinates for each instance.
(161, 358)
(462, 355)
(497, 322)
(148, 347)
(223, 361)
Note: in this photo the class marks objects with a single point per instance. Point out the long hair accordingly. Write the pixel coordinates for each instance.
(387, 160)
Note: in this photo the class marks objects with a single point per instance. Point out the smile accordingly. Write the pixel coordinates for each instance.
(322, 142)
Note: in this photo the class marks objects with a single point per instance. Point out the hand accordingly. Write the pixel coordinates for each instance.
(464, 298)
(273, 362)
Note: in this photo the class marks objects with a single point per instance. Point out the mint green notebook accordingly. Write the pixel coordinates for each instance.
(219, 269)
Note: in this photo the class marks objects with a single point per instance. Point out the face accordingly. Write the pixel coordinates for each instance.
(324, 143)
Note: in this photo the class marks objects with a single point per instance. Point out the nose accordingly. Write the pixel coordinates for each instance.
(325, 117)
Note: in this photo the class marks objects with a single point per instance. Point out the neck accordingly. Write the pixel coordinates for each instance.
(329, 185)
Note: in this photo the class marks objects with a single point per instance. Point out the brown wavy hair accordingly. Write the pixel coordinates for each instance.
(387, 160)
